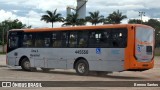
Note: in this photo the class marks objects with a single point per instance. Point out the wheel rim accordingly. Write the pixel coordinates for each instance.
(26, 64)
(81, 67)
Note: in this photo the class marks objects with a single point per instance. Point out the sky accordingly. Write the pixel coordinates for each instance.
(30, 11)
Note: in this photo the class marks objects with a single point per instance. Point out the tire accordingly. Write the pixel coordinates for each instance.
(82, 67)
(25, 64)
(45, 69)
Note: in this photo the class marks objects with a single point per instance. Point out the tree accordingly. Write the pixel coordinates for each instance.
(135, 21)
(12, 24)
(115, 18)
(95, 18)
(52, 17)
(72, 19)
(7, 25)
(156, 25)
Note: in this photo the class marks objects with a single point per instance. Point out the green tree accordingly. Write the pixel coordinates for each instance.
(135, 21)
(156, 25)
(52, 17)
(72, 19)
(12, 24)
(7, 25)
(95, 18)
(115, 18)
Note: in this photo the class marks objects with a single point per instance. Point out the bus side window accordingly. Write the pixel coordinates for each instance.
(119, 38)
(27, 40)
(56, 39)
(73, 39)
(46, 42)
(94, 39)
(82, 39)
(105, 39)
(39, 40)
(64, 39)
(47, 39)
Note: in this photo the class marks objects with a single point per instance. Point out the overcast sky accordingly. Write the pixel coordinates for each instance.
(30, 11)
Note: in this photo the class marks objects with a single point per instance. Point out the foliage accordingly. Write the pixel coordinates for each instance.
(135, 21)
(72, 19)
(156, 25)
(115, 18)
(7, 25)
(52, 17)
(95, 18)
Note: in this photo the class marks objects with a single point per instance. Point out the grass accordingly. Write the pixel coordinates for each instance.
(2, 53)
(157, 54)
(157, 51)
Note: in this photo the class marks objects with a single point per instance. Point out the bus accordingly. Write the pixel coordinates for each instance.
(101, 49)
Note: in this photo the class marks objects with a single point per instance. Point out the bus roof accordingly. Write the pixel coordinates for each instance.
(79, 27)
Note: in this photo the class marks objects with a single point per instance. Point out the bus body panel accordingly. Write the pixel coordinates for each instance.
(99, 59)
(106, 59)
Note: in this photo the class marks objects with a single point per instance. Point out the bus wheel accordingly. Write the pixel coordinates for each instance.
(82, 67)
(45, 69)
(25, 64)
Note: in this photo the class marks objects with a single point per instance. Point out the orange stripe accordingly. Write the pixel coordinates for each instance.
(81, 27)
(144, 43)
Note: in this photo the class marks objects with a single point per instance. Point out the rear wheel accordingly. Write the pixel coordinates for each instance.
(82, 67)
(25, 64)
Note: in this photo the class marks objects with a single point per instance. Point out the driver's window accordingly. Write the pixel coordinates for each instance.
(13, 42)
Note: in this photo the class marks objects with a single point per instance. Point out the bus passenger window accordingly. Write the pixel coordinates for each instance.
(38, 43)
(64, 39)
(56, 39)
(82, 39)
(47, 42)
(27, 40)
(94, 39)
(119, 38)
(73, 39)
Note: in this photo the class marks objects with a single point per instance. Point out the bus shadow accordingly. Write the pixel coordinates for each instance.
(123, 77)
(109, 76)
(95, 75)
(103, 76)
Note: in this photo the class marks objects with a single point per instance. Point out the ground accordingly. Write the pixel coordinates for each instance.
(12, 74)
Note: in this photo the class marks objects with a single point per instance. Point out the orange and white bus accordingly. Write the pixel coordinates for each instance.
(104, 49)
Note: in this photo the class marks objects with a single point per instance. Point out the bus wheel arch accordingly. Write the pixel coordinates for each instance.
(81, 66)
(22, 61)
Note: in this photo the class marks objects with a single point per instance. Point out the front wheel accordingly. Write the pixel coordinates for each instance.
(82, 67)
(25, 64)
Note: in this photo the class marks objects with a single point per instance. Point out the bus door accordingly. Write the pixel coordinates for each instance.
(144, 44)
(13, 44)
